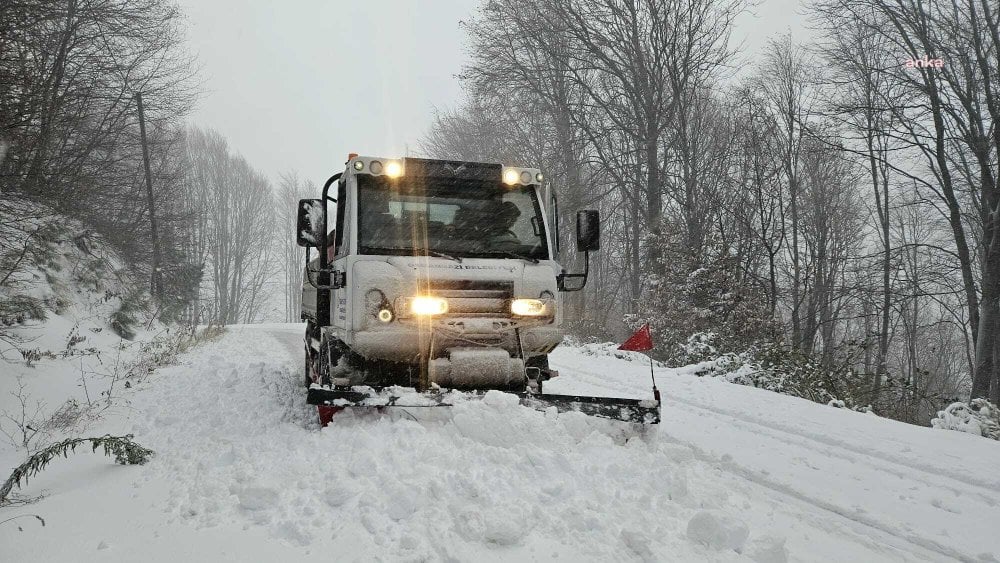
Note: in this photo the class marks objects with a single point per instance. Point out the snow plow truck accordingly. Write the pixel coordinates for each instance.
(434, 281)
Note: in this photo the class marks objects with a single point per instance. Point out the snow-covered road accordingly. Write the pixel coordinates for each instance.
(243, 472)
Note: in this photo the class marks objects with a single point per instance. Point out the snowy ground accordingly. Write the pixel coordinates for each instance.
(244, 473)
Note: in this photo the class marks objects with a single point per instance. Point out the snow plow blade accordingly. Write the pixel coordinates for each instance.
(641, 411)
(628, 410)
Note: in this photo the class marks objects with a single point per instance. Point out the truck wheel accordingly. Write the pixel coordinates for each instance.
(308, 370)
(329, 355)
(314, 367)
(309, 363)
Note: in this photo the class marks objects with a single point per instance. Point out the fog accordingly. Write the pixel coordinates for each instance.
(298, 86)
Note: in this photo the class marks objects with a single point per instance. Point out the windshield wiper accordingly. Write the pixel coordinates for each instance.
(411, 249)
(443, 255)
(515, 255)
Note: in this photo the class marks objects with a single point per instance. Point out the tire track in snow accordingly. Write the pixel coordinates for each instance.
(853, 518)
(917, 544)
(803, 440)
(989, 486)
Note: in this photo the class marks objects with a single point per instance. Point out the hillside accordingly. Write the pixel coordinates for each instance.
(75, 320)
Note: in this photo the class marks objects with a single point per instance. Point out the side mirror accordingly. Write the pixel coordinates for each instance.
(588, 230)
(309, 226)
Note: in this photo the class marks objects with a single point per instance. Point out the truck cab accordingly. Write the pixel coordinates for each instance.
(434, 273)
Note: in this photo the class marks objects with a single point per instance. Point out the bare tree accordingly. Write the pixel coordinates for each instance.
(291, 189)
(239, 209)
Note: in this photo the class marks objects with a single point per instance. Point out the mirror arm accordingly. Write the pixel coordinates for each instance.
(322, 284)
(338, 281)
(561, 278)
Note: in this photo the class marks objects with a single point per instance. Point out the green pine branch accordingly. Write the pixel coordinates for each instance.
(125, 451)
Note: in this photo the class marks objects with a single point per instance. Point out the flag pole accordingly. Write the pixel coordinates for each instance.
(656, 392)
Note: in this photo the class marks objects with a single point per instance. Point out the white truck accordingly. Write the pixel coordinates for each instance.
(434, 276)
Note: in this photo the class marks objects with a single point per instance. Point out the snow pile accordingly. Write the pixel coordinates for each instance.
(979, 417)
(414, 484)
(718, 531)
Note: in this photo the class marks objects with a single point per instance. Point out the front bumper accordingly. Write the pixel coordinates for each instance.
(410, 340)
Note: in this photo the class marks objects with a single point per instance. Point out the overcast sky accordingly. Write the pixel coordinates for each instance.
(297, 85)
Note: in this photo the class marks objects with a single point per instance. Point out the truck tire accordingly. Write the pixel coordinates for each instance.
(372, 372)
(307, 348)
(308, 379)
(329, 356)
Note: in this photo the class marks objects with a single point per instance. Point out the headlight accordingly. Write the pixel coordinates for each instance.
(510, 176)
(530, 307)
(393, 169)
(426, 305)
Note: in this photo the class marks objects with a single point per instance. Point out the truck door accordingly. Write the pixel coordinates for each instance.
(338, 300)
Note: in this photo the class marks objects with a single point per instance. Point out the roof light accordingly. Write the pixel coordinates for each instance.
(393, 169)
(525, 177)
(375, 167)
(359, 165)
(539, 177)
(510, 176)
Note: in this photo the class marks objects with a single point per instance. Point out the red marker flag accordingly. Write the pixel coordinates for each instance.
(641, 341)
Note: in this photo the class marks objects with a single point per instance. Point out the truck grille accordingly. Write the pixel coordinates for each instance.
(474, 298)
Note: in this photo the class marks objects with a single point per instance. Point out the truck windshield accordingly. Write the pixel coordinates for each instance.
(454, 220)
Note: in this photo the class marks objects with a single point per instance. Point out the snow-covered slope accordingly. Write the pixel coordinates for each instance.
(65, 354)
(244, 473)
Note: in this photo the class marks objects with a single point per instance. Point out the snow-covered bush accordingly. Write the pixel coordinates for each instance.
(978, 416)
(699, 347)
(792, 372)
(700, 307)
(124, 320)
(777, 368)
